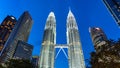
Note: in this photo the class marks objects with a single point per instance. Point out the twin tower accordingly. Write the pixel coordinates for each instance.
(75, 54)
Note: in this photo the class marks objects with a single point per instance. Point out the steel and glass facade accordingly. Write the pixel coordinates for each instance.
(49, 40)
(21, 32)
(5, 29)
(75, 53)
(114, 7)
(23, 51)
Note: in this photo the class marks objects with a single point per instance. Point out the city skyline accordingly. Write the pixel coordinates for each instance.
(21, 32)
(88, 14)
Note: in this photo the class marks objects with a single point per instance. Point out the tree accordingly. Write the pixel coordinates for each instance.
(19, 63)
(1, 66)
(109, 57)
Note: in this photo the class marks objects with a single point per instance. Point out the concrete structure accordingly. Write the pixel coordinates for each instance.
(98, 37)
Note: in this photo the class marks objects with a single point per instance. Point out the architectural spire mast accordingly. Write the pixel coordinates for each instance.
(48, 43)
(75, 54)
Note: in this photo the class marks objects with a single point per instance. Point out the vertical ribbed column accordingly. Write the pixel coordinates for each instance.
(76, 58)
(49, 40)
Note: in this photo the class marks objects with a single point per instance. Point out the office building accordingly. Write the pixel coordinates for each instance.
(48, 43)
(114, 8)
(5, 29)
(23, 51)
(98, 37)
(35, 60)
(21, 32)
(75, 53)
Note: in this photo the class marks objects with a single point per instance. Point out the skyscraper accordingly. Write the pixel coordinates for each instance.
(48, 43)
(114, 8)
(47, 58)
(5, 30)
(98, 37)
(20, 32)
(75, 53)
(23, 51)
(35, 60)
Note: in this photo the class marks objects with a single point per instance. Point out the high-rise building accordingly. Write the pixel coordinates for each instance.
(34, 61)
(23, 51)
(114, 7)
(75, 53)
(21, 32)
(98, 37)
(49, 40)
(5, 30)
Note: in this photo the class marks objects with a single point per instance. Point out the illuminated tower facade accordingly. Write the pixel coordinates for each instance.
(75, 53)
(5, 30)
(21, 32)
(114, 7)
(49, 40)
(98, 37)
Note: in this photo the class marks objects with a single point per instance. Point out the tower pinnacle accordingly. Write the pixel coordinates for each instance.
(48, 43)
(51, 14)
(51, 21)
(70, 14)
(75, 53)
(71, 21)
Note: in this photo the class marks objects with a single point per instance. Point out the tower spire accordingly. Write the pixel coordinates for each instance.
(71, 21)
(70, 14)
(69, 9)
(75, 53)
(48, 43)
(51, 21)
(51, 14)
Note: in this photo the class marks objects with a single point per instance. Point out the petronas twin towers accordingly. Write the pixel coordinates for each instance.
(75, 54)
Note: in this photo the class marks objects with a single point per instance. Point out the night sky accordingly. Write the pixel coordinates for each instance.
(88, 13)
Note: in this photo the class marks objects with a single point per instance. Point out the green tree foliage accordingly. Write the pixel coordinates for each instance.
(18, 63)
(1, 66)
(109, 57)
